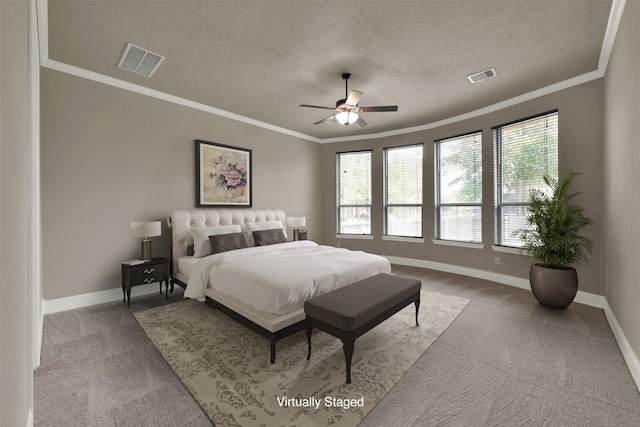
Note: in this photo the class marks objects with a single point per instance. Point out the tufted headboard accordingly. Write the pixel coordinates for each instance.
(181, 223)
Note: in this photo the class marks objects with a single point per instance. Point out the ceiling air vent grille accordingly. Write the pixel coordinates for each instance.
(140, 60)
(482, 75)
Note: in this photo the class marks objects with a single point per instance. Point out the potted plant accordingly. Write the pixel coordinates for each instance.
(554, 239)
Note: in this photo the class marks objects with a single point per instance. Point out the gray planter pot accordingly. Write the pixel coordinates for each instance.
(553, 287)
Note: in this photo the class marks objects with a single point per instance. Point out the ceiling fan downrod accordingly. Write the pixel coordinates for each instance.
(346, 77)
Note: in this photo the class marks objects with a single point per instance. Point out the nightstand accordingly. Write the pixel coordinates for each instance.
(155, 270)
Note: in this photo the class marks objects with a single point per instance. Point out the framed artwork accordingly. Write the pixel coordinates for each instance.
(223, 175)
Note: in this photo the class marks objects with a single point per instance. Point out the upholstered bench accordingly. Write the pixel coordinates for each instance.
(349, 312)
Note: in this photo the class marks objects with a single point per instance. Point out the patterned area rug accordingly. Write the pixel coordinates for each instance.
(226, 368)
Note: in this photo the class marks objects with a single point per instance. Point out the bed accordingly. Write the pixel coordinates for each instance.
(264, 283)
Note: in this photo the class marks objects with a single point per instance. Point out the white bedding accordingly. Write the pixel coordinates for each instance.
(186, 264)
(280, 278)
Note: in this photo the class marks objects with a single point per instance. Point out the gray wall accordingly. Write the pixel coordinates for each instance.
(580, 148)
(110, 157)
(622, 176)
(14, 204)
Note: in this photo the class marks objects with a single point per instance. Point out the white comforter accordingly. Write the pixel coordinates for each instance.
(280, 278)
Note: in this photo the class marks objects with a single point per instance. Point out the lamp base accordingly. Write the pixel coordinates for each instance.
(296, 234)
(146, 250)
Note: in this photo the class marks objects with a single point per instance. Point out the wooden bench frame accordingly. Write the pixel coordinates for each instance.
(349, 337)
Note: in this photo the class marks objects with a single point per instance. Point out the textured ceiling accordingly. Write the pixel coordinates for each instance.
(261, 59)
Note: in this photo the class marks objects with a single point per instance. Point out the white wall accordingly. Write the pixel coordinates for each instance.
(111, 156)
(14, 214)
(580, 134)
(622, 178)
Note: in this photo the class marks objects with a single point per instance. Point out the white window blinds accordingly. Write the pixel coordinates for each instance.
(458, 188)
(403, 191)
(353, 171)
(523, 152)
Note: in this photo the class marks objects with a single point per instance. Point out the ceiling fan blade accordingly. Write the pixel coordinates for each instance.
(317, 106)
(354, 97)
(361, 122)
(330, 119)
(378, 109)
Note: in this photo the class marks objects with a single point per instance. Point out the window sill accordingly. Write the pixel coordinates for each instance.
(355, 236)
(403, 239)
(509, 250)
(458, 244)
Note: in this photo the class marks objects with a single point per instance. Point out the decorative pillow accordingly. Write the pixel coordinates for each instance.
(264, 225)
(228, 242)
(201, 243)
(269, 237)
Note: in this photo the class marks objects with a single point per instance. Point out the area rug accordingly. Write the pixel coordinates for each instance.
(226, 368)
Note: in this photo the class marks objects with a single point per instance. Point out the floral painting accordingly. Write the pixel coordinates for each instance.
(223, 175)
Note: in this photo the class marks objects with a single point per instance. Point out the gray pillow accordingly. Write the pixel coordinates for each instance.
(269, 237)
(228, 242)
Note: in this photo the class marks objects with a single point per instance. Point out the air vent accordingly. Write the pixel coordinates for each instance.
(140, 60)
(482, 75)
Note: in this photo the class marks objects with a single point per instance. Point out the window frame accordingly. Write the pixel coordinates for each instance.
(438, 198)
(339, 206)
(385, 198)
(498, 161)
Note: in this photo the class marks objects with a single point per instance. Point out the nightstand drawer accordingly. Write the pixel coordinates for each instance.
(140, 279)
(146, 273)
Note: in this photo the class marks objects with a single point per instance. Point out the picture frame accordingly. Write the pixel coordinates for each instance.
(223, 175)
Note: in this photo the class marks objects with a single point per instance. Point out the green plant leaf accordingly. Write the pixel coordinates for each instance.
(555, 225)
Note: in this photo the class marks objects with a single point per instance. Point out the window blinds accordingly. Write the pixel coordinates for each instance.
(354, 192)
(458, 192)
(523, 152)
(403, 191)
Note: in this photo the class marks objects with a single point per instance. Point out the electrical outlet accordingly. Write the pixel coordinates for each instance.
(497, 260)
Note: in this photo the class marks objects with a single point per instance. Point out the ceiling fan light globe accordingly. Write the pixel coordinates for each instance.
(346, 117)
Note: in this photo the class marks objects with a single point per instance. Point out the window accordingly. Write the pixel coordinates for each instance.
(354, 192)
(458, 188)
(523, 152)
(403, 191)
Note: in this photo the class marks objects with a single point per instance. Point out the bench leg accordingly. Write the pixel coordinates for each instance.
(417, 303)
(273, 351)
(348, 345)
(309, 331)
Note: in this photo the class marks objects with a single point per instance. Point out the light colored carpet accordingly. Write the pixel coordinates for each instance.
(226, 367)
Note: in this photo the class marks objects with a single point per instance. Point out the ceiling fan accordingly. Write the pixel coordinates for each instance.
(346, 110)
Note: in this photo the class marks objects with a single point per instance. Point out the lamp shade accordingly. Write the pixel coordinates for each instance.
(296, 221)
(346, 117)
(146, 229)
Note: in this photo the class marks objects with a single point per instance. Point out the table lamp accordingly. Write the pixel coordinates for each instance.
(296, 222)
(146, 229)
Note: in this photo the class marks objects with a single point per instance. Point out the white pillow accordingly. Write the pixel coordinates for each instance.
(265, 225)
(201, 243)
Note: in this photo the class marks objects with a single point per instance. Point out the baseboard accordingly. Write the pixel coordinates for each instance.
(627, 352)
(40, 331)
(93, 298)
(465, 271)
(586, 298)
(593, 300)
(518, 282)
